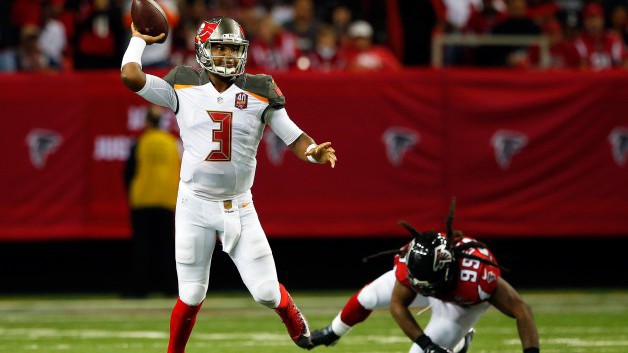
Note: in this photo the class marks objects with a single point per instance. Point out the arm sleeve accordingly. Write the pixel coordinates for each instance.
(282, 126)
(158, 91)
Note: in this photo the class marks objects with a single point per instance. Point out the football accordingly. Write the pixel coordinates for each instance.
(149, 18)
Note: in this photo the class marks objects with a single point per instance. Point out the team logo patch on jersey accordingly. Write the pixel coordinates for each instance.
(241, 100)
(506, 144)
(41, 143)
(398, 141)
(618, 138)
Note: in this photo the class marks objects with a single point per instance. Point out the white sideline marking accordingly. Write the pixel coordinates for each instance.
(554, 331)
(39, 333)
(259, 337)
(577, 342)
(35, 333)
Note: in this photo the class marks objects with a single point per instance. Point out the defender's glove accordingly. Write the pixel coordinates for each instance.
(428, 346)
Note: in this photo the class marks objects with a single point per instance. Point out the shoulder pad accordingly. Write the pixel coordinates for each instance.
(186, 75)
(264, 86)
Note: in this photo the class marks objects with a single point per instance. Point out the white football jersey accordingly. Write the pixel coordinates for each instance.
(221, 131)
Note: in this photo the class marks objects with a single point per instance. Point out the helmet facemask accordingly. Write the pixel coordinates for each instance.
(218, 63)
(221, 31)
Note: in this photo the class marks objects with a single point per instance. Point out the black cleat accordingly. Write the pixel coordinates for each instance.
(324, 336)
(467, 341)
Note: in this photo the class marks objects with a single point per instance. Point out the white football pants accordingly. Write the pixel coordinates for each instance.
(448, 324)
(198, 222)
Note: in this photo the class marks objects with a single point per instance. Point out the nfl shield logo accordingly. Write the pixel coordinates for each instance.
(241, 100)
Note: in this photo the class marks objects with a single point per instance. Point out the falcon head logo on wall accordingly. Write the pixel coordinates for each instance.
(275, 147)
(398, 141)
(506, 144)
(41, 143)
(618, 138)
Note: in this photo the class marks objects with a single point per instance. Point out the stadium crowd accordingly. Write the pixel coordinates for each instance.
(352, 35)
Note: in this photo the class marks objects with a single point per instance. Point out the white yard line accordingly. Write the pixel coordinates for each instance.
(36, 333)
(576, 342)
(42, 333)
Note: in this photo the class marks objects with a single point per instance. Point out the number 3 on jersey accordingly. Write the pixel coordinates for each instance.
(221, 135)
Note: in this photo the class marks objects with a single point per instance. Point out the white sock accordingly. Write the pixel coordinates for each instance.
(339, 327)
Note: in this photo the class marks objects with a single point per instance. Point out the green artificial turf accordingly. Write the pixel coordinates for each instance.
(594, 321)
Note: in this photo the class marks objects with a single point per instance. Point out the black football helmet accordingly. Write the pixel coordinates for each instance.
(221, 30)
(429, 261)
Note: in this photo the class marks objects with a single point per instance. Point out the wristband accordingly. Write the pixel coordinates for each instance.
(531, 350)
(425, 341)
(309, 157)
(134, 52)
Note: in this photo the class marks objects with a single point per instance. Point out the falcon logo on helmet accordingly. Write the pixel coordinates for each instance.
(226, 31)
(429, 263)
(442, 257)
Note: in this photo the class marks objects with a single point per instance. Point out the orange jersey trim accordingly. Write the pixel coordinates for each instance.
(265, 100)
(183, 86)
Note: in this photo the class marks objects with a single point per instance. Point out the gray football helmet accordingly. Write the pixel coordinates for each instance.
(221, 30)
